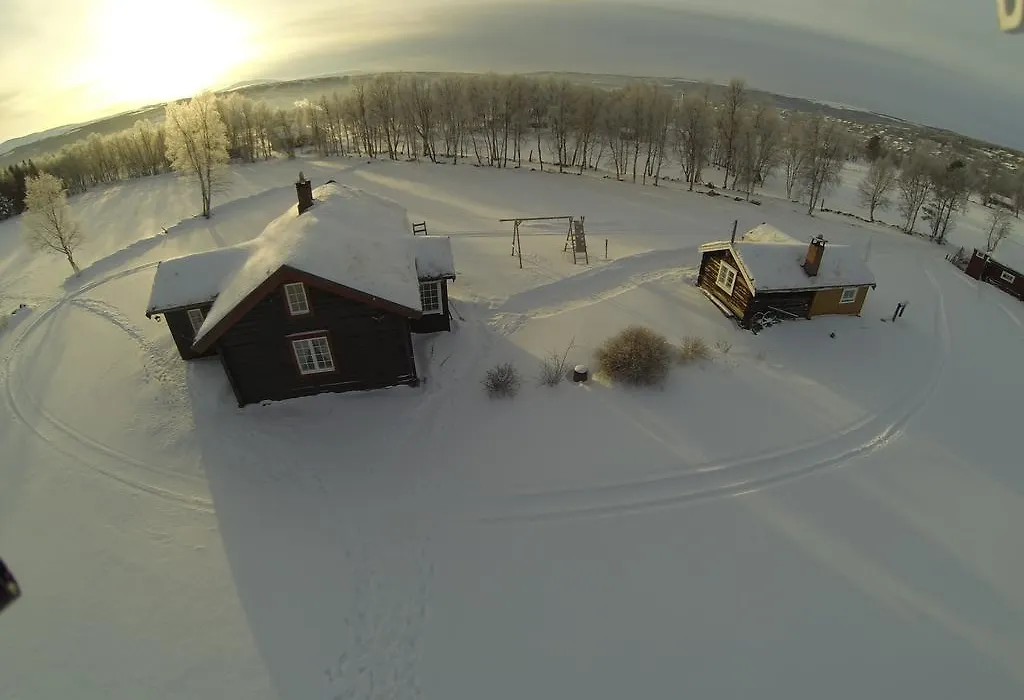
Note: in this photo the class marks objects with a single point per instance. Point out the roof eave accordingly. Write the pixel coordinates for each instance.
(157, 310)
(762, 290)
(203, 342)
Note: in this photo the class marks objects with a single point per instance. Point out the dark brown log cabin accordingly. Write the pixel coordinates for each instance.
(298, 334)
(983, 267)
(768, 272)
(307, 307)
(434, 267)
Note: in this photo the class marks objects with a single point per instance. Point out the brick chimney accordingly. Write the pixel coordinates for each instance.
(815, 252)
(304, 190)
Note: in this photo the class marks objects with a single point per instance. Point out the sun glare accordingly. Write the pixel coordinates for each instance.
(145, 51)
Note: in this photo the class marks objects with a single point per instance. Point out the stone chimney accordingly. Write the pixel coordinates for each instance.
(304, 190)
(815, 252)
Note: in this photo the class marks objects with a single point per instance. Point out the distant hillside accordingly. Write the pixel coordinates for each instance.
(284, 93)
(65, 135)
(9, 146)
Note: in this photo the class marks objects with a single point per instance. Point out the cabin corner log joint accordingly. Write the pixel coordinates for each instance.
(325, 299)
(770, 274)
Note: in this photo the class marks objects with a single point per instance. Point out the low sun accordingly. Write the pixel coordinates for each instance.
(142, 52)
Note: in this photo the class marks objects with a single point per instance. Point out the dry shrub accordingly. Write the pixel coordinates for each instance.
(636, 356)
(555, 367)
(550, 373)
(502, 381)
(693, 348)
(723, 346)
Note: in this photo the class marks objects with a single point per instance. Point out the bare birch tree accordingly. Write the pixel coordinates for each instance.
(451, 94)
(949, 186)
(793, 152)
(757, 146)
(49, 224)
(913, 183)
(827, 146)
(1000, 223)
(875, 190)
(694, 132)
(197, 144)
(730, 117)
(656, 131)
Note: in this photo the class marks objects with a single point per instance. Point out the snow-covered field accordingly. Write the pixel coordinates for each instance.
(800, 517)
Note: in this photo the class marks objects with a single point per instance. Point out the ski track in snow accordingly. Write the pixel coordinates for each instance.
(98, 456)
(734, 477)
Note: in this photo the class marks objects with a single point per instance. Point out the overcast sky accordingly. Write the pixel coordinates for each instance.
(942, 62)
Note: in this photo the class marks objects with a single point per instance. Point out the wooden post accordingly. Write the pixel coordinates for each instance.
(519, 246)
(606, 249)
(898, 312)
(734, 225)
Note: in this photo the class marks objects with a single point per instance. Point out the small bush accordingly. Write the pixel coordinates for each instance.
(693, 348)
(723, 346)
(502, 381)
(637, 356)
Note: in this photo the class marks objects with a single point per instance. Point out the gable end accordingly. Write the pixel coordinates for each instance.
(289, 274)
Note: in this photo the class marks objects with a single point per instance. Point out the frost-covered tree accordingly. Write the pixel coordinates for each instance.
(49, 224)
(876, 188)
(949, 187)
(730, 120)
(793, 152)
(757, 146)
(197, 144)
(694, 132)
(913, 183)
(1000, 223)
(826, 146)
(985, 176)
(284, 132)
(452, 114)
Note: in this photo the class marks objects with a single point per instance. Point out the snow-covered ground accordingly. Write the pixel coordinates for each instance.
(800, 517)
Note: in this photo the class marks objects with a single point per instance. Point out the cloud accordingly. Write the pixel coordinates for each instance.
(950, 68)
(638, 40)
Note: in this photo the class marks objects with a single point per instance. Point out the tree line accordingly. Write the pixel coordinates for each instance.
(640, 132)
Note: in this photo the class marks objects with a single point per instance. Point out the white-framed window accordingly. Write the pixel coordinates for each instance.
(1007, 277)
(849, 295)
(196, 318)
(430, 297)
(313, 354)
(298, 302)
(726, 277)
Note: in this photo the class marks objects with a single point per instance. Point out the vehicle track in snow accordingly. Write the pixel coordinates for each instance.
(92, 453)
(732, 477)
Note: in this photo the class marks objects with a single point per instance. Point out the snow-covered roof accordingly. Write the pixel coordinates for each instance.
(779, 266)
(772, 261)
(766, 233)
(349, 237)
(434, 257)
(1011, 254)
(193, 279)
